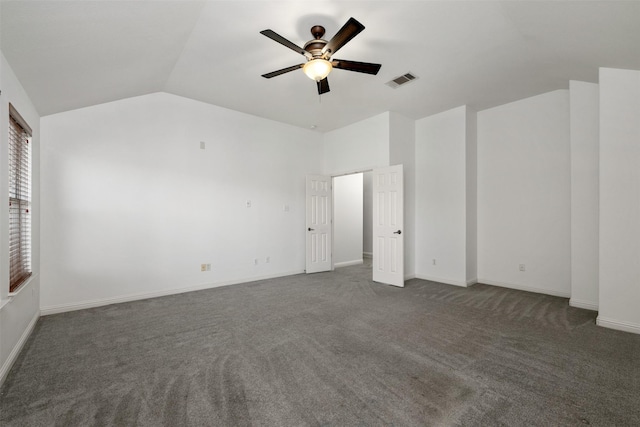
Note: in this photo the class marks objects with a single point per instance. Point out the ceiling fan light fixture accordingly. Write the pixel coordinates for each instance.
(319, 54)
(317, 69)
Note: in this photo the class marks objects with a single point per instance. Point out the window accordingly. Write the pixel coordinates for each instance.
(19, 200)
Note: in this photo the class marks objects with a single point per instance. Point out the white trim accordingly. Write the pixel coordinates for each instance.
(6, 367)
(587, 305)
(63, 308)
(618, 325)
(348, 263)
(367, 254)
(352, 171)
(24, 285)
(551, 292)
(442, 280)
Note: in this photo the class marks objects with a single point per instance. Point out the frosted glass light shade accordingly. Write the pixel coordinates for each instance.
(317, 69)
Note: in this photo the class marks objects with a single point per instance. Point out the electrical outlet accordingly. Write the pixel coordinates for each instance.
(202, 145)
(203, 267)
(248, 203)
(255, 261)
(208, 267)
(434, 261)
(522, 267)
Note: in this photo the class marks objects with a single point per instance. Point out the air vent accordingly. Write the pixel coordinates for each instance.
(401, 80)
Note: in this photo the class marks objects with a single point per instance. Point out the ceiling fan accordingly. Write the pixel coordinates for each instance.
(319, 54)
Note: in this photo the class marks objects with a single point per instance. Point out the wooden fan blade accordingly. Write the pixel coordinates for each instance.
(359, 67)
(348, 31)
(284, 70)
(323, 86)
(278, 38)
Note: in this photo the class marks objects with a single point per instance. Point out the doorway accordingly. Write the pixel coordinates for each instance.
(349, 224)
(335, 223)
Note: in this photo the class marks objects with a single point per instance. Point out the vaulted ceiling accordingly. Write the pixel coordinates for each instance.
(72, 54)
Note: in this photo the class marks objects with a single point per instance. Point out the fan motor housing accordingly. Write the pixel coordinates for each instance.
(314, 47)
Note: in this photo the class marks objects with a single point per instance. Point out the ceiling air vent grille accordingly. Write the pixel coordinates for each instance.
(401, 80)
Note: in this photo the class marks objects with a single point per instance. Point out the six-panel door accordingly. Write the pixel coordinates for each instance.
(319, 214)
(388, 222)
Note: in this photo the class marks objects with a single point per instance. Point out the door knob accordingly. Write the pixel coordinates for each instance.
(311, 229)
(397, 232)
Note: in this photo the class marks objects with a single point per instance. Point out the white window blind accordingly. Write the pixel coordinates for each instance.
(19, 200)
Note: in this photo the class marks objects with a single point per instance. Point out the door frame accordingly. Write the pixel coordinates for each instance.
(333, 208)
(336, 175)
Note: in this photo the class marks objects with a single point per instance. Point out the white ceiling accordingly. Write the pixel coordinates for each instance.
(72, 54)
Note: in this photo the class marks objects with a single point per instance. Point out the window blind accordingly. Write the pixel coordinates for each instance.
(19, 200)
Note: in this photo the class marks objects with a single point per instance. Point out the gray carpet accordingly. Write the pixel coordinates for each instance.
(329, 349)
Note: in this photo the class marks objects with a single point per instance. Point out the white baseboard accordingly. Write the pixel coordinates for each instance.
(618, 325)
(6, 366)
(348, 263)
(552, 292)
(63, 308)
(367, 255)
(442, 280)
(587, 305)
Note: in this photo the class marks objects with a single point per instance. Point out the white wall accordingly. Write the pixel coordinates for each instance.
(402, 147)
(367, 222)
(440, 194)
(133, 206)
(382, 140)
(347, 220)
(20, 311)
(524, 195)
(619, 279)
(584, 123)
(357, 147)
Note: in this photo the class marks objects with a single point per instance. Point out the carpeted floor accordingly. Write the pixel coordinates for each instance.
(330, 349)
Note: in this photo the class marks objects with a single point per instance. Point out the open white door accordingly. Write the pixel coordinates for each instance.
(318, 223)
(388, 223)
